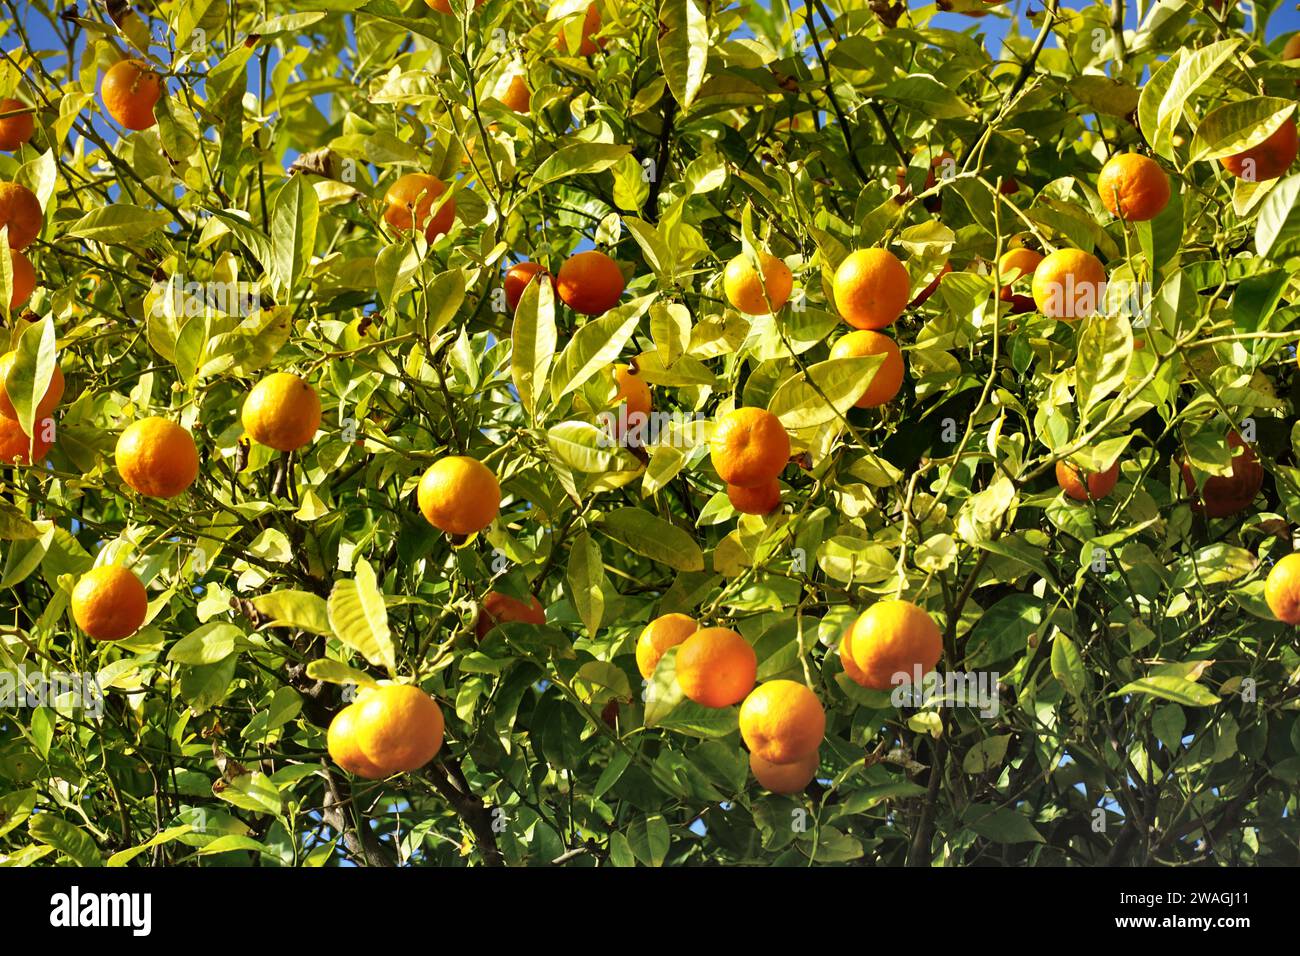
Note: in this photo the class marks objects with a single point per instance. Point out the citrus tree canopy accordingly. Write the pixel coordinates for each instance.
(648, 432)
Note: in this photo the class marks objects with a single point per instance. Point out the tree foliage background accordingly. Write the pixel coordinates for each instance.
(1147, 705)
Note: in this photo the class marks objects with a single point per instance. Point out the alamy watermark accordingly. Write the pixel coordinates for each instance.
(29, 689)
(623, 429)
(190, 299)
(975, 689)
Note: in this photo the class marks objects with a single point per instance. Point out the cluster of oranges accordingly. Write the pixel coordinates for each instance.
(387, 729)
(781, 721)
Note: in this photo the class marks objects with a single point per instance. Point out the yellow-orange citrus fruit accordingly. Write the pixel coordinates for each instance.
(501, 608)
(785, 778)
(15, 130)
(1266, 160)
(590, 27)
(871, 288)
(716, 667)
(410, 203)
(459, 495)
(1282, 589)
(282, 412)
(590, 282)
(16, 447)
(398, 728)
(157, 457)
(23, 280)
(53, 392)
(749, 447)
(130, 89)
(851, 667)
(1082, 485)
(665, 631)
(1224, 495)
(782, 721)
(1291, 51)
(516, 95)
(1133, 187)
(342, 744)
(632, 389)
(1014, 265)
(751, 293)
(894, 637)
(1069, 284)
(889, 376)
(20, 210)
(109, 603)
(518, 276)
(758, 500)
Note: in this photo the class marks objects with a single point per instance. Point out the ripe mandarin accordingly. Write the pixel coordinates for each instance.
(785, 778)
(665, 631)
(590, 282)
(459, 495)
(1133, 187)
(888, 378)
(53, 391)
(282, 412)
(341, 742)
(1082, 485)
(156, 457)
(749, 447)
(894, 637)
(502, 608)
(1282, 589)
(782, 721)
(1266, 160)
(716, 667)
(410, 202)
(109, 603)
(751, 293)
(1069, 284)
(758, 500)
(17, 129)
(130, 89)
(871, 288)
(398, 728)
(20, 210)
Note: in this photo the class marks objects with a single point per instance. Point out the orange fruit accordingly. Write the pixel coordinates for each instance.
(1291, 51)
(20, 210)
(410, 203)
(341, 740)
(850, 666)
(1282, 588)
(53, 392)
(632, 389)
(23, 280)
(16, 447)
(590, 282)
(758, 500)
(397, 727)
(156, 457)
(129, 90)
(782, 721)
(871, 288)
(785, 778)
(1266, 160)
(1014, 265)
(889, 376)
(109, 603)
(894, 637)
(517, 278)
(590, 27)
(665, 631)
(1069, 284)
(751, 293)
(932, 288)
(517, 96)
(15, 130)
(502, 608)
(1082, 485)
(459, 495)
(716, 667)
(749, 447)
(282, 412)
(1224, 495)
(1133, 187)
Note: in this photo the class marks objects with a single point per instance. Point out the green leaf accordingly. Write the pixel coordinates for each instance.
(1277, 230)
(1003, 630)
(532, 342)
(30, 375)
(986, 755)
(1105, 350)
(250, 791)
(1067, 666)
(72, 841)
(119, 224)
(123, 857)
(359, 617)
(15, 807)
(336, 672)
(208, 644)
(653, 537)
(294, 214)
(595, 346)
(1178, 689)
(586, 579)
(575, 160)
(300, 610)
(589, 449)
(860, 801)
(1236, 127)
(683, 48)
(1001, 825)
(826, 391)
